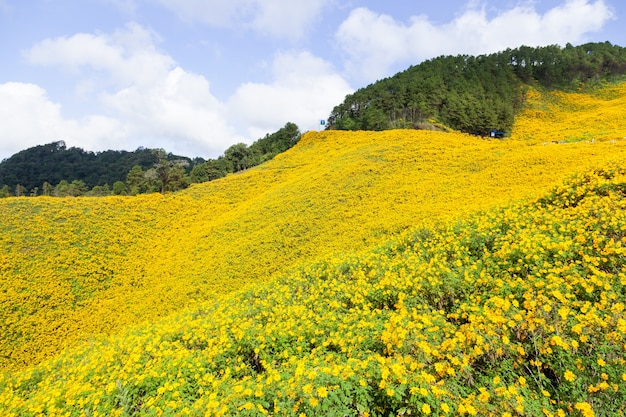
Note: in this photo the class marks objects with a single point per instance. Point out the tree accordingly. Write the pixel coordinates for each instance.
(96, 191)
(170, 174)
(77, 188)
(55, 162)
(20, 190)
(278, 142)
(5, 191)
(47, 189)
(162, 170)
(240, 156)
(62, 189)
(474, 93)
(136, 180)
(210, 170)
(119, 188)
(178, 179)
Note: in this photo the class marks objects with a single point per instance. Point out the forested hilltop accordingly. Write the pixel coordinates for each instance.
(475, 94)
(56, 170)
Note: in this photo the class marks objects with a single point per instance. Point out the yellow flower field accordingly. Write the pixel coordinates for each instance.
(517, 310)
(358, 273)
(553, 117)
(76, 267)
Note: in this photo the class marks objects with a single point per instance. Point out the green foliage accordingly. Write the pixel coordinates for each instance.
(240, 156)
(54, 162)
(278, 142)
(78, 173)
(474, 94)
(119, 188)
(210, 170)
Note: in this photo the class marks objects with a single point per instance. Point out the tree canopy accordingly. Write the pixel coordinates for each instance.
(55, 162)
(55, 170)
(474, 94)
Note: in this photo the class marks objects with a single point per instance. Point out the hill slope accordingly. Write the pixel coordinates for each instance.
(517, 311)
(511, 290)
(74, 268)
(475, 94)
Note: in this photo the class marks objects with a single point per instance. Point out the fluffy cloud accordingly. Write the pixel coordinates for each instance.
(304, 90)
(178, 111)
(30, 118)
(127, 56)
(278, 18)
(154, 101)
(138, 96)
(373, 43)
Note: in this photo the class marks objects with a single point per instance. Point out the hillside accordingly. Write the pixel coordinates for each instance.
(163, 276)
(54, 162)
(475, 94)
(516, 311)
(55, 170)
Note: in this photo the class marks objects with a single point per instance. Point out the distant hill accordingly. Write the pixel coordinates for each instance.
(54, 169)
(475, 94)
(54, 162)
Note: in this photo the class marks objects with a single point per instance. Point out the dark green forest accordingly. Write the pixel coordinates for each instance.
(55, 170)
(54, 162)
(475, 94)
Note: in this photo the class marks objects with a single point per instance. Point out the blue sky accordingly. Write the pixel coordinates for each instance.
(197, 76)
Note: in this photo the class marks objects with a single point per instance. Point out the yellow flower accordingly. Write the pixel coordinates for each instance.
(483, 396)
(585, 409)
(426, 409)
(247, 406)
(569, 376)
(322, 392)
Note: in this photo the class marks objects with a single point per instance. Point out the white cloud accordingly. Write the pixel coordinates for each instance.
(278, 18)
(373, 43)
(126, 56)
(139, 96)
(156, 102)
(179, 109)
(30, 118)
(304, 90)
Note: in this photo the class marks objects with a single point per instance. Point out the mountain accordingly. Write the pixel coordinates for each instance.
(401, 272)
(475, 94)
(53, 169)
(54, 162)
